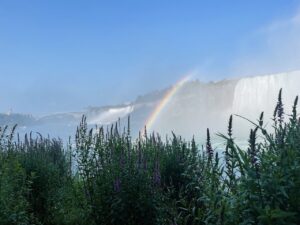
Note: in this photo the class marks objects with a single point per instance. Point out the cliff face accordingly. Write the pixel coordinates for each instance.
(190, 111)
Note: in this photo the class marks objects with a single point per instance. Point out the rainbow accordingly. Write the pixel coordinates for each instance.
(164, 101)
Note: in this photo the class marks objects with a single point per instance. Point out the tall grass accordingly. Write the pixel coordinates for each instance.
(108, 178)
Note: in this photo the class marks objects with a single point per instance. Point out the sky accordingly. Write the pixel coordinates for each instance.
(58, 56)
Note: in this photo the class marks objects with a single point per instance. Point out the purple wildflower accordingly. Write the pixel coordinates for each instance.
(117, 185)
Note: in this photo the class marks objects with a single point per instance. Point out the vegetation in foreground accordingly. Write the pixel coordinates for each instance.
(118, 181)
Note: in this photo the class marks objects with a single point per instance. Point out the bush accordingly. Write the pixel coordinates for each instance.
(116, 180)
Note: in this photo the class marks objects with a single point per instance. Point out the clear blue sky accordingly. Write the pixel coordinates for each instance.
(65, 55)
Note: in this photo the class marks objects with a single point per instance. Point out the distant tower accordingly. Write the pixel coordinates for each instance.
(10, 111)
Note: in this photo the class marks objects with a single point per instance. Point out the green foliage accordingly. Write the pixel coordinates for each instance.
(121, 180)
(13, 184)
(105, 177)
(13, 189)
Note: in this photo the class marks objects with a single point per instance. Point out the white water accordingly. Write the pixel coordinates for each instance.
(111, 115)
(198, 106)
(256, 94)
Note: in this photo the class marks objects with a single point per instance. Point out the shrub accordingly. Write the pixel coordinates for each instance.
(108, 178)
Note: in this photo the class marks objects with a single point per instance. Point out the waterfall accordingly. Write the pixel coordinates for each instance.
(256, 94)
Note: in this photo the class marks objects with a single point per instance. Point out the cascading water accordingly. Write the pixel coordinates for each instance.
(198, 106)
(256, 94)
